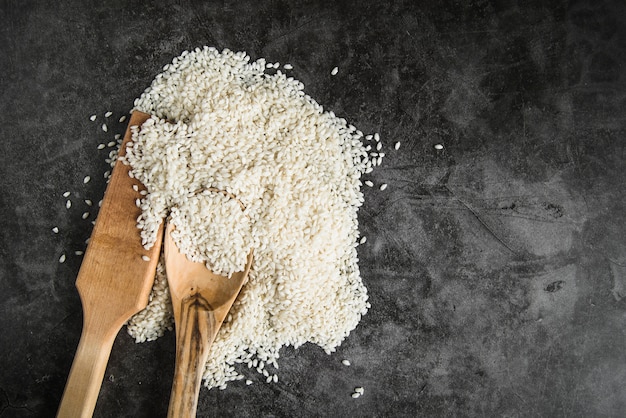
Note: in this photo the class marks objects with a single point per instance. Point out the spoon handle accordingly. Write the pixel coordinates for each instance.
(195, 333)
(88, 368)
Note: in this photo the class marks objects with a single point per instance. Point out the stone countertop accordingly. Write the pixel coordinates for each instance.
(496, 265)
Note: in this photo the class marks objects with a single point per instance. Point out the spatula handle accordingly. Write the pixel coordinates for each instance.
(195, 333)
(85, 379)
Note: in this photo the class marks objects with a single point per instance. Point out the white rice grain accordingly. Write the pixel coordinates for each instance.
(280, 142)
(334, 71)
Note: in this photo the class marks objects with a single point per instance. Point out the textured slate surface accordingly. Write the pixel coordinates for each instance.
(496, 266)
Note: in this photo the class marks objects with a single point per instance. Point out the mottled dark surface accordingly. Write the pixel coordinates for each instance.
(496, 266)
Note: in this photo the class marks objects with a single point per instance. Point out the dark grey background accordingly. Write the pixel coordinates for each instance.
(496, 266)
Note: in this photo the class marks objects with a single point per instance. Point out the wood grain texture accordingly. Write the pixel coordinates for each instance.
(200, 300)
(114, 283)
(194, 334)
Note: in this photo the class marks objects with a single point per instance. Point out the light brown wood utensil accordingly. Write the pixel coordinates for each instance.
(114, 283)
(201, 300)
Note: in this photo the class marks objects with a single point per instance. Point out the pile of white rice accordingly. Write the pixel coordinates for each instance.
(222, 122)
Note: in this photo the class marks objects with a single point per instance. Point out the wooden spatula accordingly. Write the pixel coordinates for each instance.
(201, 300)
(114, 283)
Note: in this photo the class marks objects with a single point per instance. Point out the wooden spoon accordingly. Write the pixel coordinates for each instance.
(114, 283)
(201, 300)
